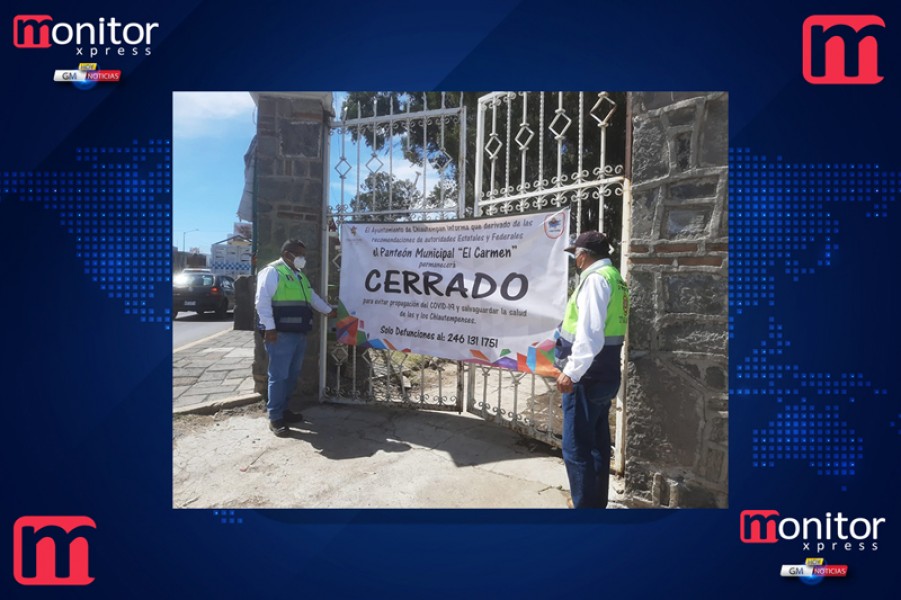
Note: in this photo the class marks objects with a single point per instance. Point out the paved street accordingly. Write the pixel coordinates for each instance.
(216, 369)
(190, 327)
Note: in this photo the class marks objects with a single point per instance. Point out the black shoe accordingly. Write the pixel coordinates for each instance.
(292, 417)
(279, 428)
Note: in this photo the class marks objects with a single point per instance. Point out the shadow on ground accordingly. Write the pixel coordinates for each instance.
(360, 457)
(346, 432)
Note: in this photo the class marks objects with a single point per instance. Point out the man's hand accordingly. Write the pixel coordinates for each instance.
(564, 384)
(270, 335)
(332, 314)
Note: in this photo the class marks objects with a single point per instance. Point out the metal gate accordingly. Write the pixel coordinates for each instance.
(372, 186)
(533, 151)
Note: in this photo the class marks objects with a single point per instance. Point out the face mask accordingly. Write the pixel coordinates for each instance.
(576, 259)
(300, 262)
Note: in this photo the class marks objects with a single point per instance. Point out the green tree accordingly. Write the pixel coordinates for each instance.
(382, 192)
(418, 148)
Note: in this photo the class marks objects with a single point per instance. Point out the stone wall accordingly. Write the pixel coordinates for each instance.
(676, 402)
(292, 132)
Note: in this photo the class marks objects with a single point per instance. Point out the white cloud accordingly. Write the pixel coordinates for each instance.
(402, 170)
(337, 101)
(405, 170)
(204, 114)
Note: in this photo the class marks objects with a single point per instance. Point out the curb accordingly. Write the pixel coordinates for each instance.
(206, 339)
(214, 406)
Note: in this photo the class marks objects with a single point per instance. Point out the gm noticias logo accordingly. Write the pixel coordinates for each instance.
(87, 75)
(765, 527)
(842, 49)
(52, 550)
(814, 570)
(40, 31)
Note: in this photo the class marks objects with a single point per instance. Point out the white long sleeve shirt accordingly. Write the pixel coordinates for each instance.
(593, 298)
(267, 284)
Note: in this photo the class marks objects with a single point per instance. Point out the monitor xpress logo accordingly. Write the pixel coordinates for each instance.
(52, 550)
(834, 532)
(842, 49)
(105, 37)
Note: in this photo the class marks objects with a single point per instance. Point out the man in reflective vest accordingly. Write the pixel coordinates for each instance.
(285, 301)
(588, 354)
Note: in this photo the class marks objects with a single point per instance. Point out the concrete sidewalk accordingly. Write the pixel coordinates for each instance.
(343, 456)
(360, 457)
(215, 371)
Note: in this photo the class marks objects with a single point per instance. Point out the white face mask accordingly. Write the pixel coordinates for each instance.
(575, 256)
(300, 262)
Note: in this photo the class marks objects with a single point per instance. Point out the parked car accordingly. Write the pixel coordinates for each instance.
(200, 291)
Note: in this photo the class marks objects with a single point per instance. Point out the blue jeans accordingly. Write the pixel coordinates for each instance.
(285, 360)
(586, 442)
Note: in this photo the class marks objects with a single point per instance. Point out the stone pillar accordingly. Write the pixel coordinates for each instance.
(291, 153)
(245, 291)
(676, 401)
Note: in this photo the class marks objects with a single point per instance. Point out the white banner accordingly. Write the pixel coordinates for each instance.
(490, 291)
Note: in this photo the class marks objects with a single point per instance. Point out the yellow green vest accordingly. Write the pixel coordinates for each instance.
(606, 366)
(617, 308)
(291, 306)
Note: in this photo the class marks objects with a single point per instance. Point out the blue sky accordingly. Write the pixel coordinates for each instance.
(401, 167)
(211, 133)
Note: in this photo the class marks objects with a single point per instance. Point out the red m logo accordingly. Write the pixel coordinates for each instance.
(759, 526)
(52, 550)
(31, 31)
(842, 49)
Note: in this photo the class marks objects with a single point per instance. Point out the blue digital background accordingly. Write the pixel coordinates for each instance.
(87, 373)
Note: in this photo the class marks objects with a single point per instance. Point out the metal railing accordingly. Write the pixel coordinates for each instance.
(377, 176)
(535, 151)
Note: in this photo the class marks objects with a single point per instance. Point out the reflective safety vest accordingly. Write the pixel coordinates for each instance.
(291, 306)
(606, 365)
